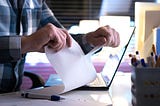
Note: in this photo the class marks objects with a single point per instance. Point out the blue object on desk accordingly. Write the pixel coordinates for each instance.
(143, 63)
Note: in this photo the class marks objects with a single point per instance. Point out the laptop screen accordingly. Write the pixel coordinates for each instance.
(106, 76)
(113, 61)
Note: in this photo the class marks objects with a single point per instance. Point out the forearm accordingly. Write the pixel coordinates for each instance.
(26, 43)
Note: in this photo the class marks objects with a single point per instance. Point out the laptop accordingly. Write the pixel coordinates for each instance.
(105, 77)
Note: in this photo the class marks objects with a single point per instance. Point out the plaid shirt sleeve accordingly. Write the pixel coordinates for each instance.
(48, 17)
(10, 48)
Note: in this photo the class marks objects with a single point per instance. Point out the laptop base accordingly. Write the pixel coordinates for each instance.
(92, 88)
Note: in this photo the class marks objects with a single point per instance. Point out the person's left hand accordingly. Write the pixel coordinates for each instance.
(103, 36)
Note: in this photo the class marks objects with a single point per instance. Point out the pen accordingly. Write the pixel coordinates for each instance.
(154, 49)
(143, 63)
(134, 61)
(40, 96)
(138, 55)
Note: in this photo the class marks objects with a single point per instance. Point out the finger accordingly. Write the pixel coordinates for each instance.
(68, 38)
(55, 44)
(59, 41)
(116, 40)
(112, 36)
(62, 39)
(107, 26)
(103, 31)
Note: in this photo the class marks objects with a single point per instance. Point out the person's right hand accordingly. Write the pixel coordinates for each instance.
(49, 35)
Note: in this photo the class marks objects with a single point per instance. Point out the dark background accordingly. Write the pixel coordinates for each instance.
(70, 12)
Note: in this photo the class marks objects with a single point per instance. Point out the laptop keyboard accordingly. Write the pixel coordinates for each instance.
(98, 82)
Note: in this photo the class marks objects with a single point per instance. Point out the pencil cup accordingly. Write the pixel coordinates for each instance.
(145, 86)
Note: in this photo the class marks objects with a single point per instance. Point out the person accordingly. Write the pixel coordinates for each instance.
(29, 26)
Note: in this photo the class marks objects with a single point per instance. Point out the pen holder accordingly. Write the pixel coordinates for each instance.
(145, 86)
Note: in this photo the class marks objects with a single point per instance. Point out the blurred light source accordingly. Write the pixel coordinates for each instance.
(120, 24)
(88, 25)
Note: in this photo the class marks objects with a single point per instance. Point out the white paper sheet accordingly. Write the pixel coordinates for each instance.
(72, 65)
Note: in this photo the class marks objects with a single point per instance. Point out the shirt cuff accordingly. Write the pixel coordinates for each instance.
(10, 48)
(84, 41)
(15, 47)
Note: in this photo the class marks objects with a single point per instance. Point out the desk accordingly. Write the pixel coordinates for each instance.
(74, 98)
(119, 92)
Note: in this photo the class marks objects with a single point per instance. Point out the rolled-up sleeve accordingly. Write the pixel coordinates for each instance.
(84, 45)
(10, 48)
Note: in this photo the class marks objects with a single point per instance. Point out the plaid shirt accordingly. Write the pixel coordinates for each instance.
(15, 22)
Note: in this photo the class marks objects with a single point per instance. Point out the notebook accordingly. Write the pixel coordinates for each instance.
(105, 77)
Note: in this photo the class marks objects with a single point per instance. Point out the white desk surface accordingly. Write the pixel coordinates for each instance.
(119, 92)
(74, 98)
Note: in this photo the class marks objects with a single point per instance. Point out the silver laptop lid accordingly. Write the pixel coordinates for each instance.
(106, 76)
(113, 62)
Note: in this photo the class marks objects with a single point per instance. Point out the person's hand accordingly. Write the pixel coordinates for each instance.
(103, 36)
(49, 35)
